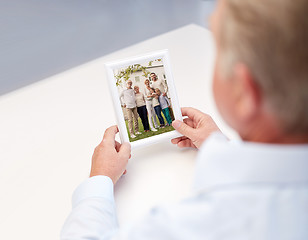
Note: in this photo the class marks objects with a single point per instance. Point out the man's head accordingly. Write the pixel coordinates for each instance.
(153, 76)
(129, 83)
(261, 73)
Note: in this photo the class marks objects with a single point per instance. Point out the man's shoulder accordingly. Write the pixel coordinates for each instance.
(159, 81)
(128, 90)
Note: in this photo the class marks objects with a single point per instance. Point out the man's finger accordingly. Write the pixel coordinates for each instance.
(175, 140)
(109, 136)
(189, 122)
(178, 139)
(117, 146)
(125, 150)
(185, 143)
(183, 128)
(191, 112)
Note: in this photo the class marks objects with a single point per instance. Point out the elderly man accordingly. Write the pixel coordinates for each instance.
(256, 188)
(128, 100)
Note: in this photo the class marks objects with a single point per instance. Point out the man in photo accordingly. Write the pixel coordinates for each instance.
(160, 84)
(164, 104)
(128, 100)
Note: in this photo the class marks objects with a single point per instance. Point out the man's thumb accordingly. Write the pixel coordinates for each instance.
(183, 128)
(125, 150)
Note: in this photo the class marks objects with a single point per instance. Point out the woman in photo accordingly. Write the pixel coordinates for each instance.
(157, 108)
(141, 109)
(149, 106)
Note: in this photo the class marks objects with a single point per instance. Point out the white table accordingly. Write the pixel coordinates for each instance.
(48, 131)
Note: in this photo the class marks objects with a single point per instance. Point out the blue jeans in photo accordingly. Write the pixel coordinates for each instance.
(158, 113)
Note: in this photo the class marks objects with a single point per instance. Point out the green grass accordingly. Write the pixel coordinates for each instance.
(150, 133)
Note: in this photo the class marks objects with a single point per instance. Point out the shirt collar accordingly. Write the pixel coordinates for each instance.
(222, 162)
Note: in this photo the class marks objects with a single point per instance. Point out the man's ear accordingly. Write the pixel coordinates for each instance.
(246, 92)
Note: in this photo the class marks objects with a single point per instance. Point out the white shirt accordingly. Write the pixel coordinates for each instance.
(155, 102)
(140, 100)
(146, 94)
(243, 191)
(161, 85)
(163, 101)
(127, 97)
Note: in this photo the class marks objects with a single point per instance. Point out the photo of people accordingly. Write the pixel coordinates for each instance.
(144, 98)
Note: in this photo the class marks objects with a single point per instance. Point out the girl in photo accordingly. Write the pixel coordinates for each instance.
(157, 108)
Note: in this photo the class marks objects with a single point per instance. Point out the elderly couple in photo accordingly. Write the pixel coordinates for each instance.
(155, 102)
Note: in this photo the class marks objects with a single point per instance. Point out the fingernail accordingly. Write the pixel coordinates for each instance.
(176, 124)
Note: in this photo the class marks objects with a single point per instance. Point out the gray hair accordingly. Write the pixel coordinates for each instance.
(271, 38)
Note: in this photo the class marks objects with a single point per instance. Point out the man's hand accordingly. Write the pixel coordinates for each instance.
(196, 128)
(110, 157)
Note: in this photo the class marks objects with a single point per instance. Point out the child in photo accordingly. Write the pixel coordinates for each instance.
(164, 104)
(157, 108)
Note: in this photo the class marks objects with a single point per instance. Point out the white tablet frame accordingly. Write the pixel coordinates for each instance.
(111, 66)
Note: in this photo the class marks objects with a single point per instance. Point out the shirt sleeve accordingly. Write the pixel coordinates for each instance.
(93, 214)
(122, 98)
(93, 217)
(147, 94)
(167, 100)
(165, 86)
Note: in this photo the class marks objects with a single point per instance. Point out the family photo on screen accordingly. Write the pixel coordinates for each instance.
(145, 102)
